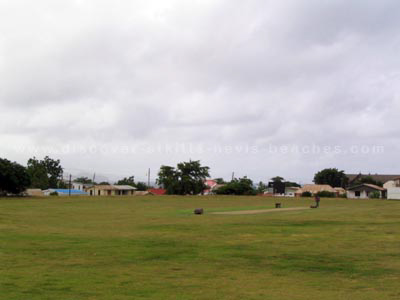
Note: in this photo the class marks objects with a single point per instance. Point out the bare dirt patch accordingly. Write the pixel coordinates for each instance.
(258, 211)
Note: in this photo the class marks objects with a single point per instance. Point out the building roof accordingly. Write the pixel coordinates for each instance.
(124, 187)
(157, 191)
(293, 188)
(367, 185)
(315, 188)
(377, 177)
(210, 183)
(113, 187)
(340, 190)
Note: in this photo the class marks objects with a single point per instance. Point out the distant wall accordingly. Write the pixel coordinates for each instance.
(393, 193)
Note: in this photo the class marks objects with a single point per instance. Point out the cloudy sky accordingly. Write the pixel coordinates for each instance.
(261, 88)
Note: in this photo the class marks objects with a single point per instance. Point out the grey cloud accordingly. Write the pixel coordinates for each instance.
(209, 72)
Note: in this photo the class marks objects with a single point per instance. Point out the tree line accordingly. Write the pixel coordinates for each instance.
(15, 178)
(187, 178)
(44, 174)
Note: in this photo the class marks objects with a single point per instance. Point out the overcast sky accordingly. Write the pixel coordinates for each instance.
(261, 88)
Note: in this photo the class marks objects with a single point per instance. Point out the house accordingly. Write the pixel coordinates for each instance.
(393, 189)
(34, 192)
(212, 186)
(80, 186)
(64, 192)
(364, 191)
(111, 190)
(290, 191)
(314, 189)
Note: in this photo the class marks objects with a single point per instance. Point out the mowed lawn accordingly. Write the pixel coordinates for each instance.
(154, 247)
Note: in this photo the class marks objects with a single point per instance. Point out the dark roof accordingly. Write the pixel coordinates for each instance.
(377, 177)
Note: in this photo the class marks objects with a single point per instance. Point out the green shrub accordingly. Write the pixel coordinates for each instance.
(306, 194)
(241, 186)
(53, 194)
(375, 195)
(326, 194)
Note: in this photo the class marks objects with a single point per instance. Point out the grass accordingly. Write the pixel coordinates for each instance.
(155, 248)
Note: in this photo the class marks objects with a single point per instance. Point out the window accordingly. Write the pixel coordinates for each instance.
(98, 192)
(357, 193)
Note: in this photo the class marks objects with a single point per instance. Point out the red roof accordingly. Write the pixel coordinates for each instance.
(210, 182)
(157, 191)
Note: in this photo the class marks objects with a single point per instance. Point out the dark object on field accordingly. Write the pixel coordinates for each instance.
(199, 211)
(317, 200)
(278, 205)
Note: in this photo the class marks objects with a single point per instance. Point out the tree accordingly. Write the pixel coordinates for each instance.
(292, 184)
(14, 178)
(306, 194)
(46, 173)
(333, 177)
(219, 180)
(326, 194)
(192, 176)
(84, 180)
(104, 183)
(375, 195)
(277, 179)
(241, 186)
(38, 174)
(127, 181)
(367, 179)
(54, 170)
(261, 188)
(141, 186)
(168, 178)
(187, 179)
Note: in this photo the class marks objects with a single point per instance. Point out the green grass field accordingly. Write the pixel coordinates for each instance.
(155, 248)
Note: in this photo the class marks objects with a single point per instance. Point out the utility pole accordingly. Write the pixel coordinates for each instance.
(148, 179)
(69, 191)
(94, 186)
(233, 175)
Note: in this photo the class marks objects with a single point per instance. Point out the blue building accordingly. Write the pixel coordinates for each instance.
(65, 192)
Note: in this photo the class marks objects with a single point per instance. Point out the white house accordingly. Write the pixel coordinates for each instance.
(363, 191)
(111, 190)
(290, 191)
(80, 186)
(393, 189)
